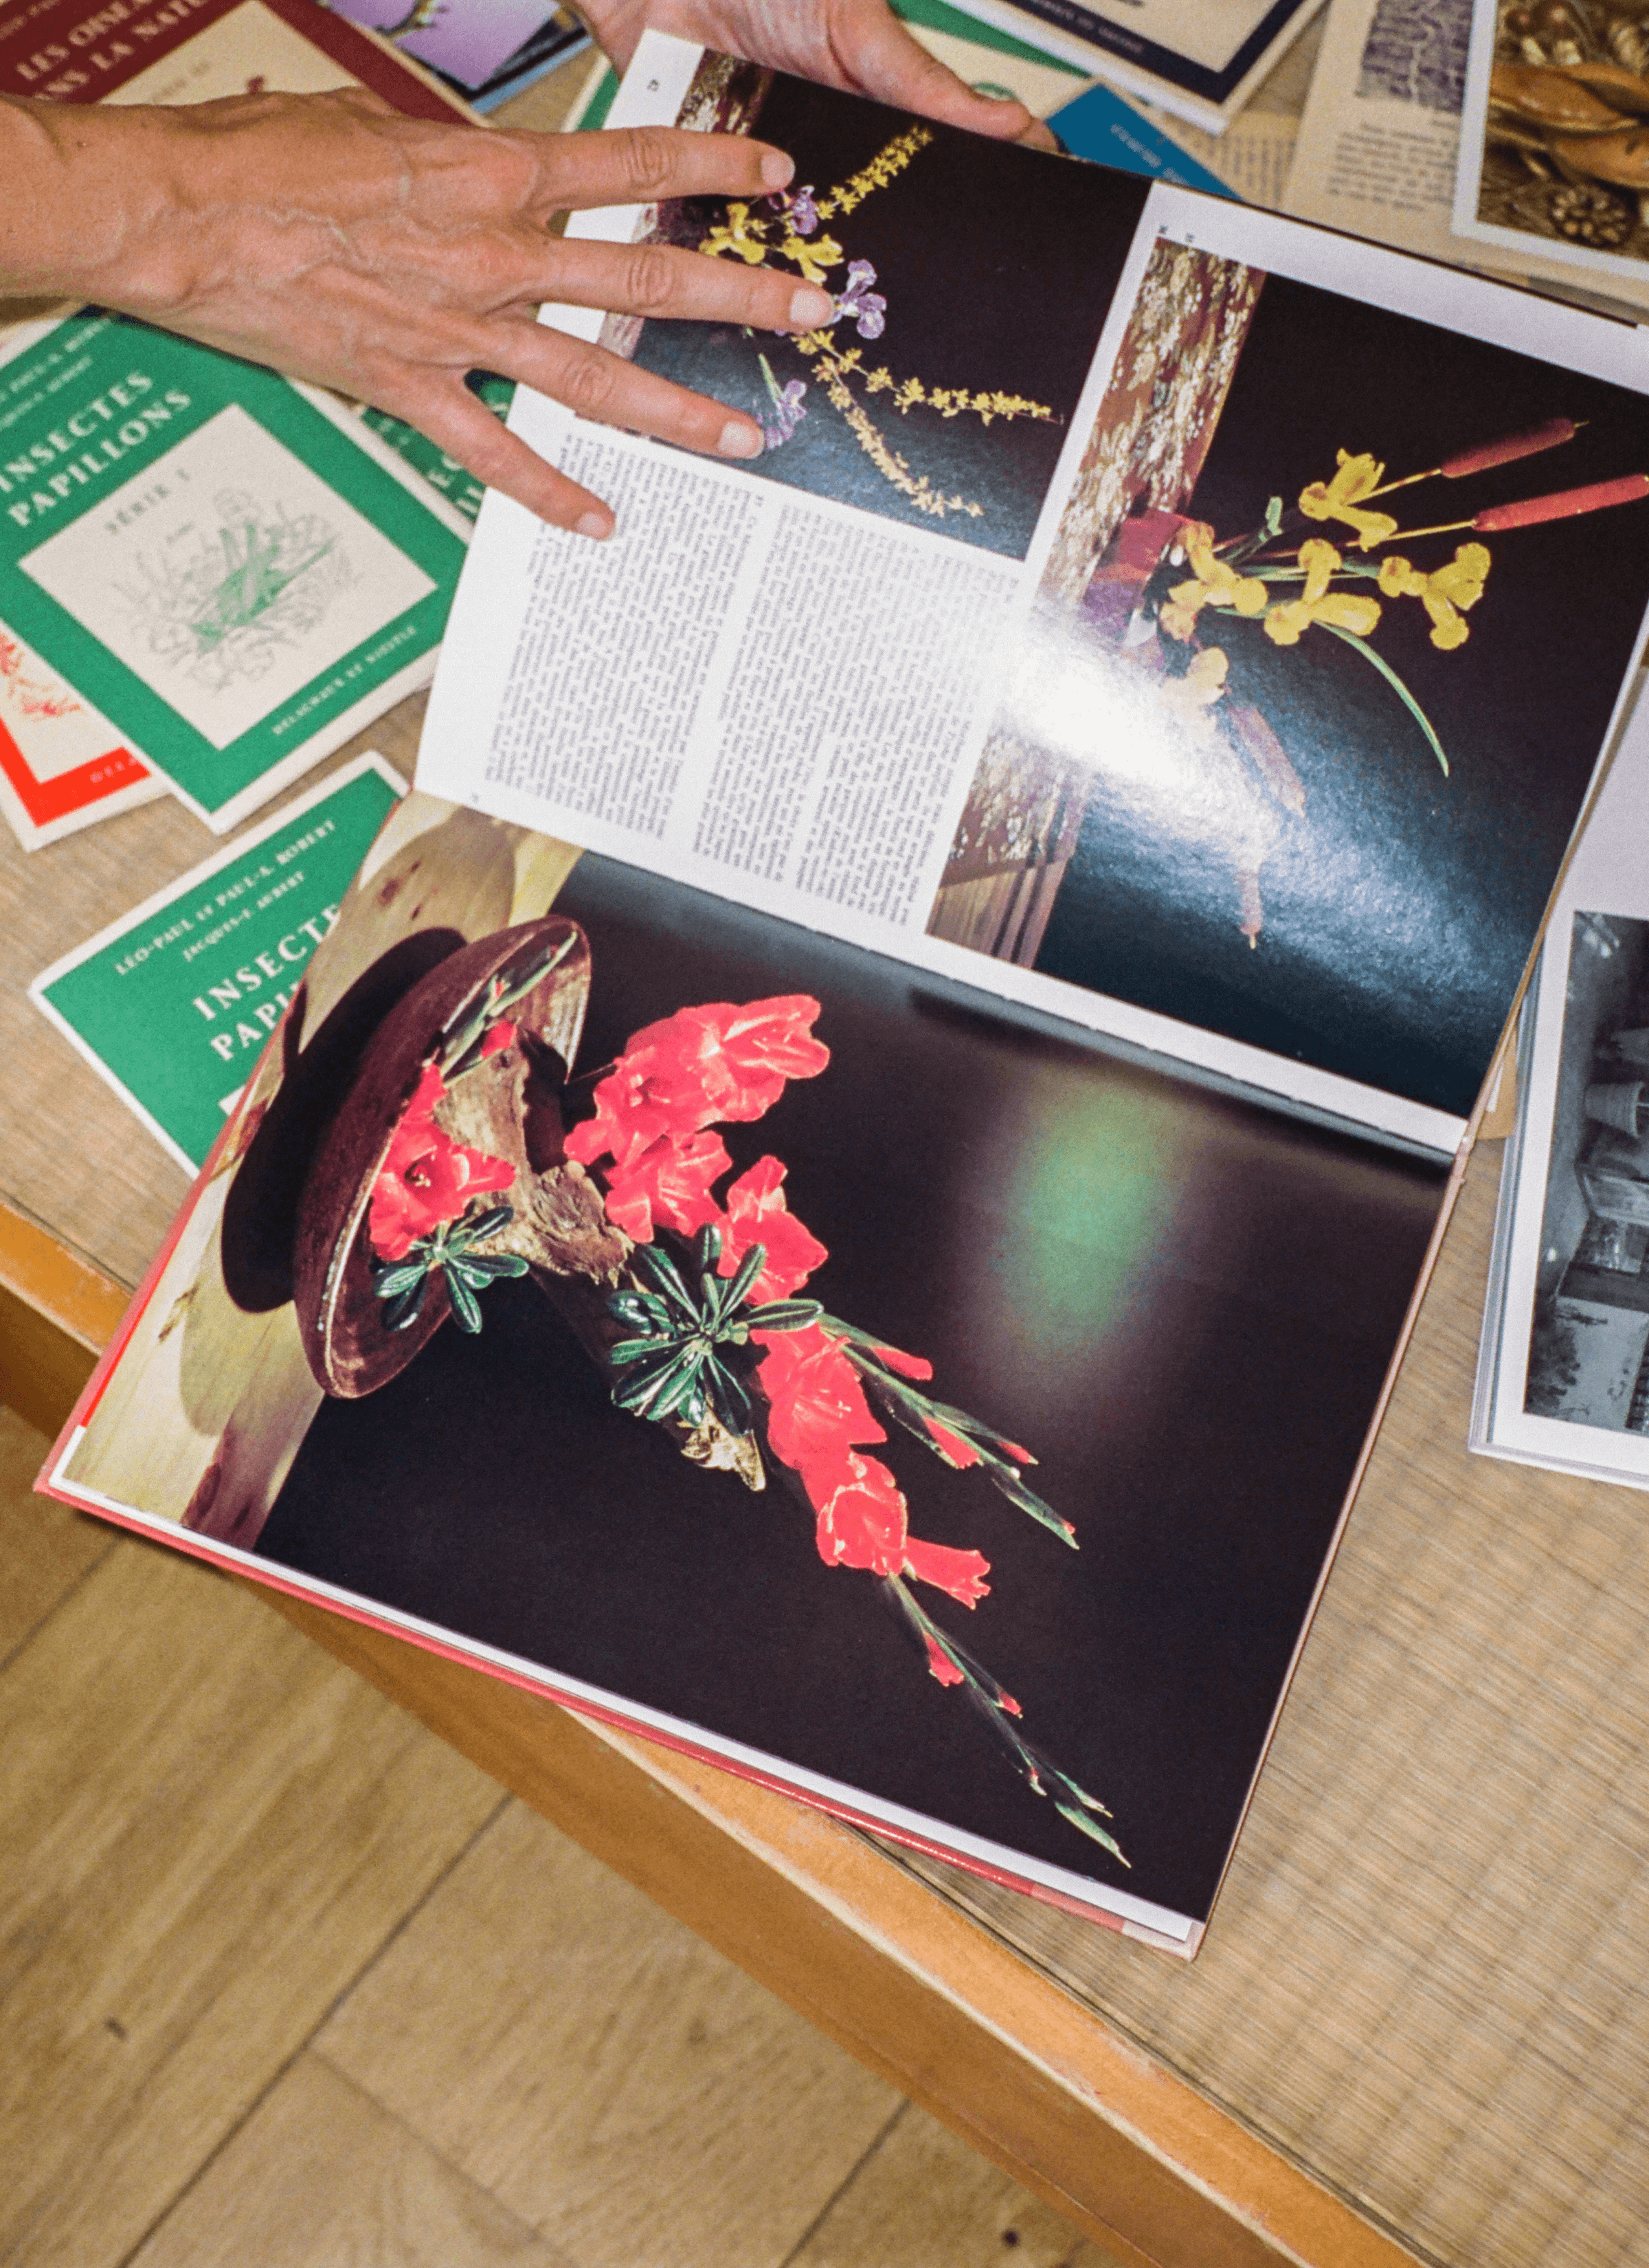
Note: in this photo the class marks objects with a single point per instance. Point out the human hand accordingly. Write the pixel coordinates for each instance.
(858, 45)
(388, 256)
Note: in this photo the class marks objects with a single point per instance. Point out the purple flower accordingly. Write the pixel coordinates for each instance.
(868, 308)
(798, 208)
(787, 414)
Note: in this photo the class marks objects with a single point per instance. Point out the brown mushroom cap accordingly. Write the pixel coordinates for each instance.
(1542, 95)
(1620, 159)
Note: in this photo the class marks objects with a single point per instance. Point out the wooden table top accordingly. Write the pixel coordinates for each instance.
(1419, 2019)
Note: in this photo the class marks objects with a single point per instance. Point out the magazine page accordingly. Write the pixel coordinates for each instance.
(793, 1355)
(1551, 161)
(963, 668)
(1201, 59)
(1564, 1378)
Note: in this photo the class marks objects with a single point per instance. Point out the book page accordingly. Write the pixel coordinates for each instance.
(1379, 140)
(1563, 1378)
(940, 672)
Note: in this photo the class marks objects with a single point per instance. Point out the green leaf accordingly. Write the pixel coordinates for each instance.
(639, 1390)
(488, 1267)
(727, 1395)
(466, 1313)
(707, 1248)
(659, 1345)
(400, 1278)
(739, 1289)
(644, 1307)
(1027, 1500)
(403, 1313)
(684, 1393)
(660, 1266)
(783, 1315)
(483, 1224)
(1091, 1827)
(1362, 645)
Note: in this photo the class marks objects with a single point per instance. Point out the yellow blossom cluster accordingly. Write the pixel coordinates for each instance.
(910, 392)
(888, 162)
(1341, 498)
(1345, 610)
(1191, 698)
(892, 467)
(1216, 584)
(744, 237)
(1446, 593)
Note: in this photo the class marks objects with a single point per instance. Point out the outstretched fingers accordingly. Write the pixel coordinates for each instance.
(643, 165)
(878, 57)
(455, 420)
(658, 280)
(613, 392)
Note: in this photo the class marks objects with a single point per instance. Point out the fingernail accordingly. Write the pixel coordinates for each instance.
(741, 440)
(596, 524)
(809, 308)
(777, 171)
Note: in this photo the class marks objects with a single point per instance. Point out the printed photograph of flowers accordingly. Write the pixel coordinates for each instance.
(730, 1320)
(970, 282)
(1321, 664)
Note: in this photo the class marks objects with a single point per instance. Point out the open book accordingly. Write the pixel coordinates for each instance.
(925, 1009)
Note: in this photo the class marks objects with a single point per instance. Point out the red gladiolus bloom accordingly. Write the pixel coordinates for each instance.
(961, 1573)
(941, 1666)
(499, 1036)
(701, 1065)
(757, 1214)
(951, 1447)
(907, 1365)
(427, 1179)
(862, 1520)
(669, 1183)
(818, 1408)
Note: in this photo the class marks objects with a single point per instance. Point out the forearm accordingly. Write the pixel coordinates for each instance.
(81, 186)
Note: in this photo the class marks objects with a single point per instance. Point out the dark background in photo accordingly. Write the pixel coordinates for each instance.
(998, 265)
(1184, 1305)
(1400, 911)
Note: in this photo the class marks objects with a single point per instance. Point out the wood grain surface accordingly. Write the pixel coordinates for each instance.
(286, 1983)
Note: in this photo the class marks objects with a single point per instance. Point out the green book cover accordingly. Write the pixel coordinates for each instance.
(172, 1004)
(223, 566)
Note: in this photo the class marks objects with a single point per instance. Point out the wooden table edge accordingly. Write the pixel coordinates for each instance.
(1134, 2156)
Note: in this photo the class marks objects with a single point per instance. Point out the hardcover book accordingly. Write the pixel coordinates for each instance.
(1201, 59)
(846, 1187)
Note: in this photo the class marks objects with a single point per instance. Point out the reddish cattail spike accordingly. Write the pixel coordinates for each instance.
(1551, 435)
(1568, 504)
